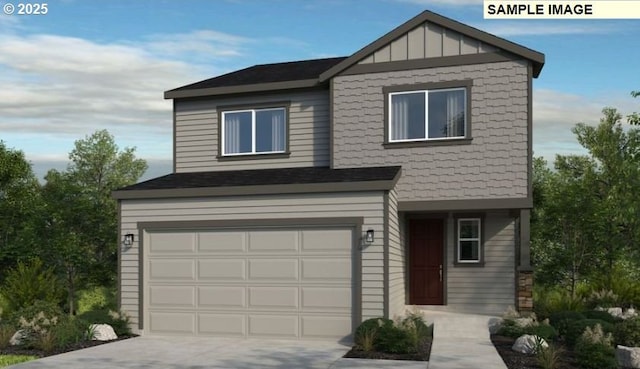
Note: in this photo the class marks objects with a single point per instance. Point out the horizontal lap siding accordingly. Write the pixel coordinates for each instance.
(491, 288)
(197, 133)
(494, 165)
(396, 260)
(367, 205)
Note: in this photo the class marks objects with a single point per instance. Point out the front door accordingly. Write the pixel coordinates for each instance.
(426, 240)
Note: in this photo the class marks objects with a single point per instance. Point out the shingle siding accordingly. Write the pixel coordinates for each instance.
(368, 205)
(197, 132)
(494, 165)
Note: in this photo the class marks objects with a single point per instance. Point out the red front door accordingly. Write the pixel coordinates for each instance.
(426, 241)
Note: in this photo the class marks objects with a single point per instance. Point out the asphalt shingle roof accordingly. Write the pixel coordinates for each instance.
(267, 73)
(260, 177)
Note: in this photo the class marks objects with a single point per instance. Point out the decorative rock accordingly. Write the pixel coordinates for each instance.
(630, 313)
(615, 312)
(527, 344)
(495, 324)
(628, 357)
(103, 332)
(17, 338)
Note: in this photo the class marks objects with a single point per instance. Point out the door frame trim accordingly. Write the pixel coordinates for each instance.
(354, 223)
(446, 222)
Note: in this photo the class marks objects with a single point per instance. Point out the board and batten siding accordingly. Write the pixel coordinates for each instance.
(368, 205)
(493, 165)
(489, 289)
(396, 260)
(196, 131)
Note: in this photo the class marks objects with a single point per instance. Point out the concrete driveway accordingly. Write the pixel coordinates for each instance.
(197, 353)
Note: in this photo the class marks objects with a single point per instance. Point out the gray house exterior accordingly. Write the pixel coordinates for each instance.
(309, 196)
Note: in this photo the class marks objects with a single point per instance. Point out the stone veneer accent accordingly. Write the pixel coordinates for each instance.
(525, 291)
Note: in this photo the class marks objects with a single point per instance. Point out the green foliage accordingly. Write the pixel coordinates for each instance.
(403, 336)
(69, 331)
(627, 333)
(6, 332)
(549, 357)
(594, 351)
(96, 298)
(37, 323)
(557, 318)
(395, 340)
(545, 331)
(509, 328)
(30, 282)
(6, 360)
(600, 315)
(120, 321)
(549, 301)
(31, 312)
(370, 325)
(573, 329)
(634, 118)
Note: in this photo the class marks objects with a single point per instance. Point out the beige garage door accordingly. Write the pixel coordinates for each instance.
(284, 283)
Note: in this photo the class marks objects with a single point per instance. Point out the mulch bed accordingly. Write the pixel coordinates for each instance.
(18, 350)
(422, 355)
(516, 360)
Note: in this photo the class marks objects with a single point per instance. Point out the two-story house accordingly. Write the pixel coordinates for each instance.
(311, 195)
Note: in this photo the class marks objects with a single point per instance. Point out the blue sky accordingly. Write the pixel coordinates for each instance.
(89, 65)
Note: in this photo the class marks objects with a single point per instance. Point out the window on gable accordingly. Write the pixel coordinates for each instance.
(253, 131)
(469, 240)
(427, 115)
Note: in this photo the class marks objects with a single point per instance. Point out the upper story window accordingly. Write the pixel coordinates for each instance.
(422, 115)
(254, 131)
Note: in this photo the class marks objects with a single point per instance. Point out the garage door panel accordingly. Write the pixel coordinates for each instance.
(334, 269)
(176, 296)
(285, 326)
(221, 242)
(173, 270)
(327, 299)
(273, 241)
(172, 322)
(273, 297)
(222, 269)
(222, 324)
(221, 297)
(327, 240)
(273, 269)
(325, 326)
(172, 242)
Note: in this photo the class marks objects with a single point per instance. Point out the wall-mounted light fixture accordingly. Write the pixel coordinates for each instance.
(369, 237)
(128, 240)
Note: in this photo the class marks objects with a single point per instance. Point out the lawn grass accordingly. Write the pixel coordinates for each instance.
(6, 360)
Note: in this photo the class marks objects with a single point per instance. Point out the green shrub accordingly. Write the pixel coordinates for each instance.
(415, 327)
(96, 298)
(509, 328)
(549, 357)
(6, 332)
(371, 325)
(32, 311)
(394, 340)
(575, 328)
(594, 350)
(627, 333)
(542, 330)
(556, 318)
(601, 315)
(37, 323)
(30, 282)
(120, 321)
(547, 301)
(70, 331)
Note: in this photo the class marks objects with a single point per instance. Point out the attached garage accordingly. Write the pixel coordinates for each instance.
(281, 282)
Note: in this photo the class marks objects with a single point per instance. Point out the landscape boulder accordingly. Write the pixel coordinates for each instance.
(17, 338)
(103, 332)
(528, 344)
(628, 357)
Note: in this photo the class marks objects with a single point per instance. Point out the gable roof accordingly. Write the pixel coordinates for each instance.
(535, 57)
(263, 181)
(303, 73)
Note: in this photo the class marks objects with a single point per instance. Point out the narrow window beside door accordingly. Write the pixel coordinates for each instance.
(469, 240)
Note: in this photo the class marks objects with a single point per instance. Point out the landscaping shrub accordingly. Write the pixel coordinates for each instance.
(6, 332)
(404, 336)
(594, 350)
(120, 321)
(575, 328)
(601, 315)
(627, 333)
(372, 324)
(542, 330)
(96, 298)
(30, 282)
(29, 313)
(394, 340)
(509, 328)
(556, 318)
(414, 326)
(71, 330)
(548, 301)
(549, 357)
(602, 298)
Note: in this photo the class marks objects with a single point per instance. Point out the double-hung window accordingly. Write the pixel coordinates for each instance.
(469, 240)
(253, 131)
(424, 115)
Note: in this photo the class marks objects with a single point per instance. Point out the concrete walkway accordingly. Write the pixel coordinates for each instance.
(461, 341)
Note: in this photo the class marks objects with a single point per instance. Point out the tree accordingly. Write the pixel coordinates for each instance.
(19, 204)
(80, 220)
(634, 118)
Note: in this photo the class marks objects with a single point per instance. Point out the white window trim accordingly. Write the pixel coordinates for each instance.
(479, 239)
(253, 132)
(426, 115)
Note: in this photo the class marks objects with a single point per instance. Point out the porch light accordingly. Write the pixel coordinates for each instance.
(370, 236)
(128, 240)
